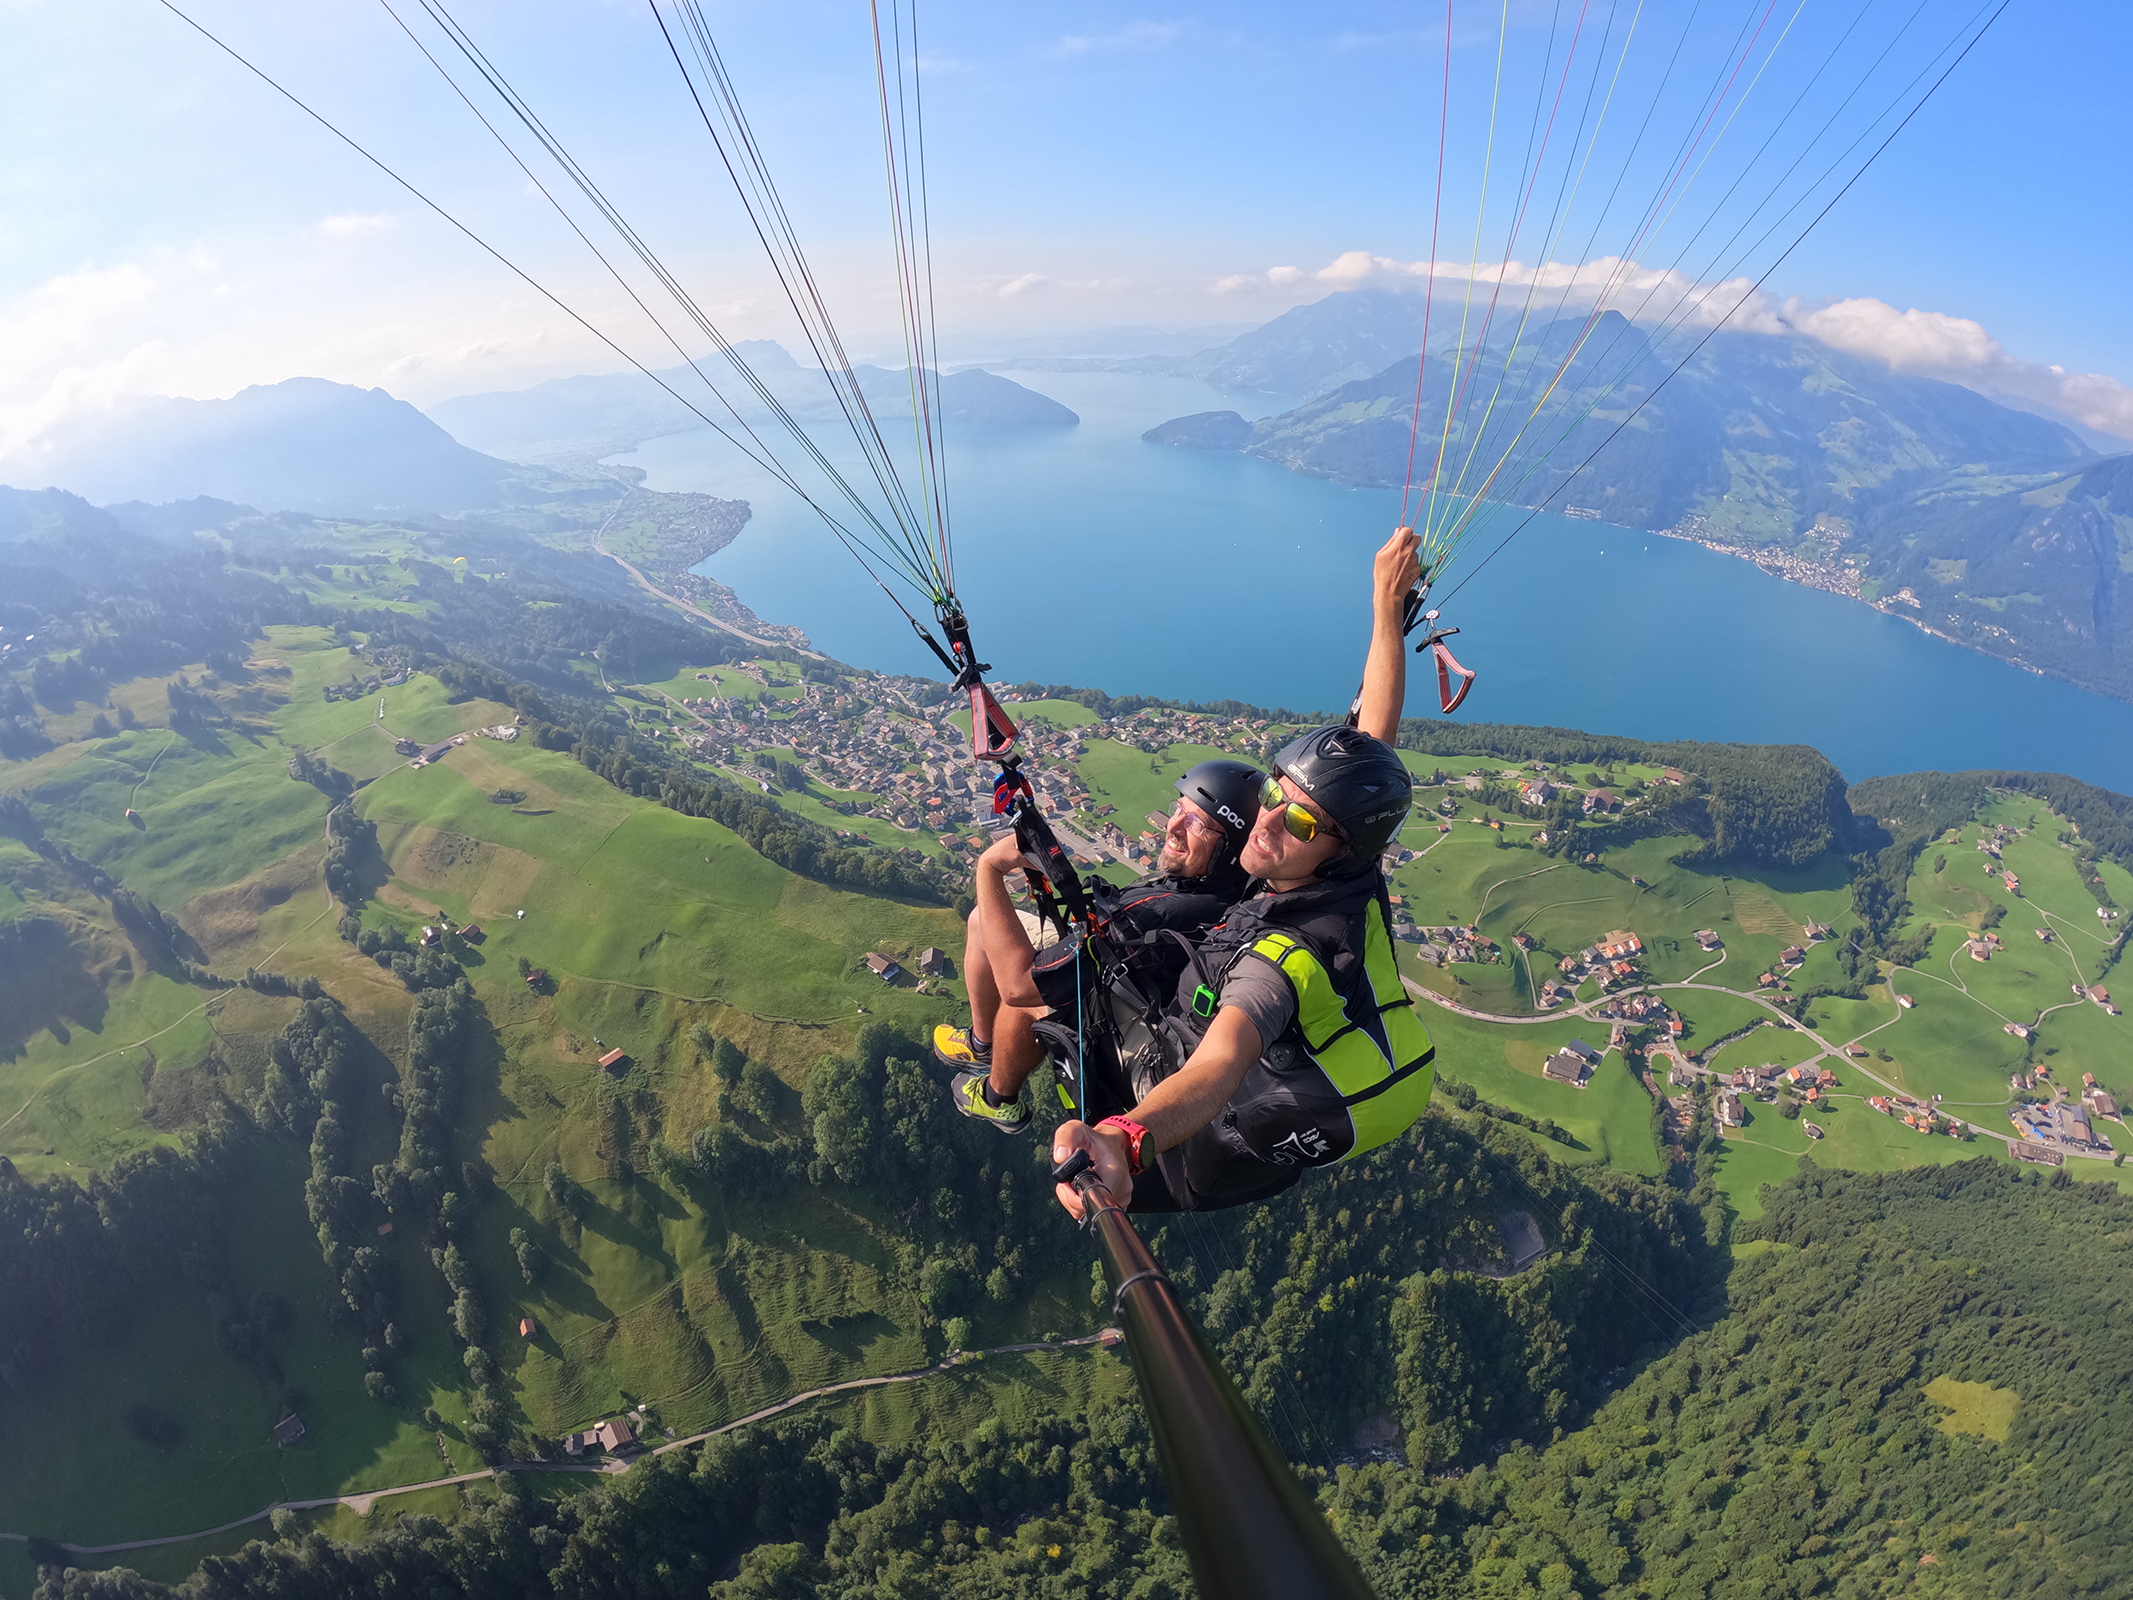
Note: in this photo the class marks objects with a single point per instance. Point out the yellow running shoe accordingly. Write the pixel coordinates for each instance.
(968, 1092)
(958, 1047)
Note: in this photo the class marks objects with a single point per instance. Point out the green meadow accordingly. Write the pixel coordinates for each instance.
(702, 1305)
(702, 1302)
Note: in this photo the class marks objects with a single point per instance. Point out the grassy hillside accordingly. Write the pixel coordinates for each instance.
(659, 932)
(766, 1193)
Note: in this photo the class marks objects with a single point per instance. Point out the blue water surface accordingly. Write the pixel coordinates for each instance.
(1087, 556)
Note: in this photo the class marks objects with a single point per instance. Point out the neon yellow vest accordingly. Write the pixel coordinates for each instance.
(1371, 1046)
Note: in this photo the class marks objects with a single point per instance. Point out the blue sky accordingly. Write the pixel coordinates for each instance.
(167, 225)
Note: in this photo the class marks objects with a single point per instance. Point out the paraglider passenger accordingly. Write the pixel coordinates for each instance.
(1197, 879)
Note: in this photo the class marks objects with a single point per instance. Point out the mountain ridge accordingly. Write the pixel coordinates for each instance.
(578, 420)
(304, 444)
(1998, 528)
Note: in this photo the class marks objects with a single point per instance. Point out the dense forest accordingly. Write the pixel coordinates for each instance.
(1824, 1428)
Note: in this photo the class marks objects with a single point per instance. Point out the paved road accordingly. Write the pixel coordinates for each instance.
(361, 1503)
(1852, 1063)
(654, 590)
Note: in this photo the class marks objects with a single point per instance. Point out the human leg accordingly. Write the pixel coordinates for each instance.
(977, 976)
(1015, 1048)
(971, 1047)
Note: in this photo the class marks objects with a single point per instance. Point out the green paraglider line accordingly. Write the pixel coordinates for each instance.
(1716, 327)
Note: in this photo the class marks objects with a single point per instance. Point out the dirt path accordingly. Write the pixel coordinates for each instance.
(361, 1503)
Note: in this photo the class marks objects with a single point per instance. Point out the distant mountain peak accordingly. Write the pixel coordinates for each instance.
(303, 444)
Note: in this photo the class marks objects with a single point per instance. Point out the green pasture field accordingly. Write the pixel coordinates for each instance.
(215, 806)
(672, 905)
(1842, 1021)
(107, 1486)
(1712, 1015)
(726, 684)
(84, 1026)
(1610, 1117)
(1779, 1045)
(1052, 713)
(809, 803)
(1137, 783)
(1568, 905)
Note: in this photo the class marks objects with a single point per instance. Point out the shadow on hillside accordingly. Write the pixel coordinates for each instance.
(567, 1283)
(850, 1336)
(48, 985)
(619, 1228)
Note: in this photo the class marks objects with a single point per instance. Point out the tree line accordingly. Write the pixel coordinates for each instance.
(1783, 1443)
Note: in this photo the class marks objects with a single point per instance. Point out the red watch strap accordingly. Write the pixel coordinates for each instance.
(1134, 1133)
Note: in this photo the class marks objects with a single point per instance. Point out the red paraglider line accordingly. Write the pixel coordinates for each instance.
(1429, 292)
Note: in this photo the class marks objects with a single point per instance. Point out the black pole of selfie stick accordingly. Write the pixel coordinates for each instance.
(1250, 1531)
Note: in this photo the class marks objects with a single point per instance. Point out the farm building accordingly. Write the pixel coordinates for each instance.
(288, 1430)
(1563, 1067)
(614, 1059)
(882, 967)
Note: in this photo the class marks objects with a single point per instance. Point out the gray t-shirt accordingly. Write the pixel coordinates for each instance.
(1256, 987)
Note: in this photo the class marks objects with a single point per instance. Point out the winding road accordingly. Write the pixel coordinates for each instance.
(361, 1503)
(651, 588)
(1826, 1049)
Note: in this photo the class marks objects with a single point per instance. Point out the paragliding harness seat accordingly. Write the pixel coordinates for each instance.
(1352, 1071)
(1106, 985)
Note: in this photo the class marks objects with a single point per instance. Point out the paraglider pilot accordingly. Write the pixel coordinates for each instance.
(1295, 1041)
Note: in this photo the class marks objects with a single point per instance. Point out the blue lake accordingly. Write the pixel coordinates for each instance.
(1086, 556)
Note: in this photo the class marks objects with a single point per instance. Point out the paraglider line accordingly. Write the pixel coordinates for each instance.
(1799, 239)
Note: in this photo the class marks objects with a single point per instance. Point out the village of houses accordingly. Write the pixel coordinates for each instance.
(904, 762)
(2050, 1122)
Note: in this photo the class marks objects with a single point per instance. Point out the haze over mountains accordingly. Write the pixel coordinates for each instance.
(300, 445)
(331, 449)
(574, 421)
(1997, 527)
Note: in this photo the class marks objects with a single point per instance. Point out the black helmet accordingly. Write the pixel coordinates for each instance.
(1357, 780)
(1227, 791)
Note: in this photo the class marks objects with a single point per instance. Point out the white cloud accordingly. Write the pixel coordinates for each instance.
(1028, 283)
(350, 226)
(1930, 343)
(1646, 294)
(1134, 37)
(1936, 345)
(70, 347)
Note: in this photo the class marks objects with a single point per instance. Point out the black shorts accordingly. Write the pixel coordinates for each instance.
(1203, 1175)
(1064, 979)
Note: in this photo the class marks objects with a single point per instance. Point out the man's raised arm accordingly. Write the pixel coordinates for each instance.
(1393, 575)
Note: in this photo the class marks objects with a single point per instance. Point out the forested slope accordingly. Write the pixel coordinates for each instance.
(1900, 1391)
